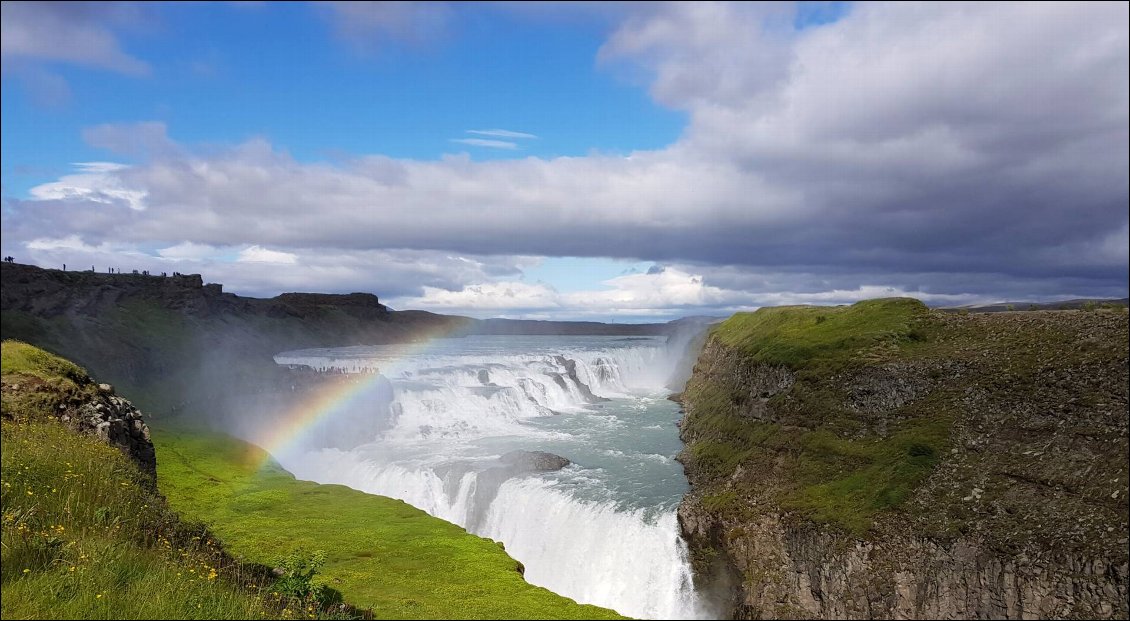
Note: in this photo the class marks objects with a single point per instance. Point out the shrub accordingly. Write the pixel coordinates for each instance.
(296, 579)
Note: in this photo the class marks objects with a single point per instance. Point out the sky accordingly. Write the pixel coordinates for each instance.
(603, 161)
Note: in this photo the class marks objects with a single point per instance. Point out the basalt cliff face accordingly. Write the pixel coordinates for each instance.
(886, 461)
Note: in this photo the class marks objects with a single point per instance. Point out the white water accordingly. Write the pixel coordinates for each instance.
(601, 531)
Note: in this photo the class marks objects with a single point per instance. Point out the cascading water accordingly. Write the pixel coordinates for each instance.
(469, 429)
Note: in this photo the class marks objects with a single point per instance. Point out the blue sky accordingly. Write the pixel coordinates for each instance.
(578, 161)
(224, 72)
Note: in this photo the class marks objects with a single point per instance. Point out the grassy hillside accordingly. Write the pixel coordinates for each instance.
(803, 337)
(82, 536)
(882, 460)
(884, 411)
(382, 553)
(830, 471)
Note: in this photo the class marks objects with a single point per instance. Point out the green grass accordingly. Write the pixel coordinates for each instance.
(846, 482)
(832, 480)
(820, 465)
(45, 382)
(381, 553)
(798, 336)
(83, 539)
(16, 357)
(82, 536)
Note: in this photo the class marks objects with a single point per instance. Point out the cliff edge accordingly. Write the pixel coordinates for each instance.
(37, 385)
(887, 461)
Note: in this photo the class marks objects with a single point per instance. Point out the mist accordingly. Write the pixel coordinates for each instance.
(474, 429)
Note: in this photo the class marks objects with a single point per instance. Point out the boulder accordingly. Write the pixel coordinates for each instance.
(534, 461)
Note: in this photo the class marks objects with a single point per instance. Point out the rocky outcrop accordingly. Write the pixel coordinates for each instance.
(116, 422)
(37, 386)
(489, 480)
(1022, 512)
(570, 366)
(747, 385)
(359, 305)
(534, 461)
(795, 570)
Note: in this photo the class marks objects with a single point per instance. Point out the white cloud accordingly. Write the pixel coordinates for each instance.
(259, 254)
(501, 133)
(487, 286)
(70, 242)
(658, 293)
(189, 251)
(660, 290)
(100, 167)
(661, 294)
(944, 150)
(484, 142)
(705, 54)
(489, 296)
(97, 182)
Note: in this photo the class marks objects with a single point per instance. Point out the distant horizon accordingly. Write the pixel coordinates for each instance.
(614, 320)
(627, 162)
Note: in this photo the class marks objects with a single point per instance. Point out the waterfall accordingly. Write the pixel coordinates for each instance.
(601, 530)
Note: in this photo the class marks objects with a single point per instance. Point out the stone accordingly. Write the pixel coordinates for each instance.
(534, 461)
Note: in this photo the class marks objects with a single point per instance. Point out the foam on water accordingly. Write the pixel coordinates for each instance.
(602, 530)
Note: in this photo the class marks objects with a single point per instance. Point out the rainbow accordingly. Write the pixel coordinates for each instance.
(351, 392)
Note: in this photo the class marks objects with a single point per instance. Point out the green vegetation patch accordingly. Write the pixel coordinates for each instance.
(36, 383)
(82, 537)
(816, 457)
(380, 553)
(846, 482)
(797, 336)
(832, 480)
(17, 357)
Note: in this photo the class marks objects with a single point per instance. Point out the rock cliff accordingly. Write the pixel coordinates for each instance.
(886, 461)
(118, 423)
(35, 382)
(171, 340)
